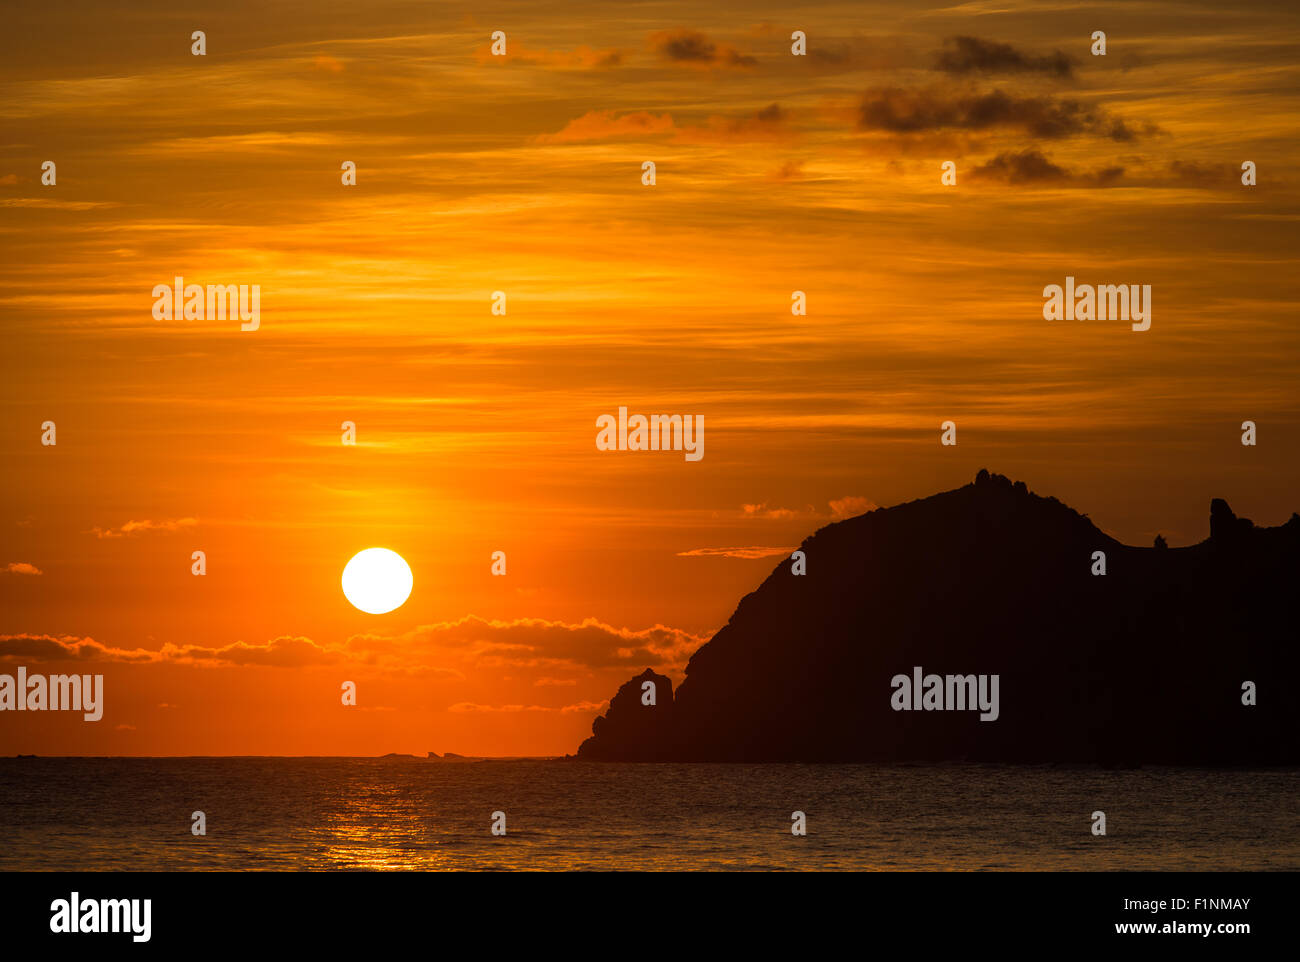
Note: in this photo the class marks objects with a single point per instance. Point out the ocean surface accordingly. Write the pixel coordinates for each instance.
(336, 813)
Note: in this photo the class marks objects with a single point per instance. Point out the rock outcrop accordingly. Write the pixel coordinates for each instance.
(631, 727)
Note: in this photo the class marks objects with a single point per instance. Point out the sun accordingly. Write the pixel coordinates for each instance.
(377, 580)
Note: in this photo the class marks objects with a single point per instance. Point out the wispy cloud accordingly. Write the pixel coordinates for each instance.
(750, 552)
(603, 124)
(580, 58)
(845, 507)
(140, 527)
(769, 123)
(584, 706)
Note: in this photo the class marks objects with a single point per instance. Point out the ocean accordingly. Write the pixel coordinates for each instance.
(111, 814)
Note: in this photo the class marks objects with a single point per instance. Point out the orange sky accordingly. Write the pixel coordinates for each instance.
(476, 432)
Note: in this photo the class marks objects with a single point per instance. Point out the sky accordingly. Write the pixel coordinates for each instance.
(476, 431)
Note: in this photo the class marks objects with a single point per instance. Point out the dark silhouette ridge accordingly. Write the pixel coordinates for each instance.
(1142, 665)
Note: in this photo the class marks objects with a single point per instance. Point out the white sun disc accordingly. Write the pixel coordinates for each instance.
(377, 580)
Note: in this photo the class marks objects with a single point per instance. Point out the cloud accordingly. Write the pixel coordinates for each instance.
(20, 568)
(790, 170)
(581, 58)
(1204, 175)
(1022, 167)
(287, 651)
(1030, 167)
(554, 682)
(431, 650)
(694, 49)
(908, 111)
(282, 652)
(136, 527)
(964, 55)
(840, 508)
(603, 124)
(774, 514)
(768, 123)
(851, 506)
(327, 63)
(530, 642)
(750, 552)
(69, 648)
(846, 54)
(55, 204)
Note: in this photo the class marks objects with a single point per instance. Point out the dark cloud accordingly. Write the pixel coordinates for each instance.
(1018, 168)
(39, 648)
(687, 45)
(964, 55)
(909, 111)
(693, 48)
(1032, 167)
(282, 652)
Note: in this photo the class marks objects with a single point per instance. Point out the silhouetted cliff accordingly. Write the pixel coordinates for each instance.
(1143, 664)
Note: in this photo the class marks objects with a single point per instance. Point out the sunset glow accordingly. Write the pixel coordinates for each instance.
(476, 417)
